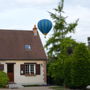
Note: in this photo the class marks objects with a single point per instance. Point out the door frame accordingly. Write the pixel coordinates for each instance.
(12, 70)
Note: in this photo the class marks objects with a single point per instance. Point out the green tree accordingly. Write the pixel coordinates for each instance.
(56, 67)
(60, 31)
(78, 68)
(59, 46)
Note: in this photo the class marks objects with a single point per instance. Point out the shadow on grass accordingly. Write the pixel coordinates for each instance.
(59, 88)
(62, 88)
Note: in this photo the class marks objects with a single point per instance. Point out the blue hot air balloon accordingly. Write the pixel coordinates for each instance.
(45, 26)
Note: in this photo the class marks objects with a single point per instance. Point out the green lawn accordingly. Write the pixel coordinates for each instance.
(58, 88)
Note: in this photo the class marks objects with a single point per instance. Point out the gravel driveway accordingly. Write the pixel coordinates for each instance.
(31, 88)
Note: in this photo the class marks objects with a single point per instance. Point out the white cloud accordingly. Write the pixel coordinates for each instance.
(85, 3)
(11, 4)
(35, 1)
(83, 28)
(23, 14)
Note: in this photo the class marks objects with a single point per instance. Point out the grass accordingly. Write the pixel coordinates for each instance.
(59, 88)
(62, 88)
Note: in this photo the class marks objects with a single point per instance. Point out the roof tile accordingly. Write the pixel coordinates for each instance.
(12, 45)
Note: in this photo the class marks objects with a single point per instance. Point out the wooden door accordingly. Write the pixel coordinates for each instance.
(10, 72)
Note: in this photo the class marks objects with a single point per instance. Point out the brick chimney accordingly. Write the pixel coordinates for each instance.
(35, 30)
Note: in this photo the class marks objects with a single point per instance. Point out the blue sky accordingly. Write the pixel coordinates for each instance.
(23, 14)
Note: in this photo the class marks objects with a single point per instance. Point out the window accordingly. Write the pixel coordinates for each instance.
(30, 69)
(1, 67)
(27, 47)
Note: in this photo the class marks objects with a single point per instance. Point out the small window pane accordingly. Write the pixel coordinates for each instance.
(32, 68)
(27, 47)
(27, 69)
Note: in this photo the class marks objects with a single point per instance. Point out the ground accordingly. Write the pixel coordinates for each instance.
(32, 88)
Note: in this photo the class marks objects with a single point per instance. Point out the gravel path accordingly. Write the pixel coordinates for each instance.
(31, 88)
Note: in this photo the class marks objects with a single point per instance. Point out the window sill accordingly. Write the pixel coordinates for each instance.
(30, 75)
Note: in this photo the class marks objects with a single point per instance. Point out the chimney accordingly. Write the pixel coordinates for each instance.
(88, 41)
(35, 30)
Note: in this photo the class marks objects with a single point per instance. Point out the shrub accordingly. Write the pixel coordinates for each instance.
(3, 79)
(77, 70)
(67, 72)
(55, 72)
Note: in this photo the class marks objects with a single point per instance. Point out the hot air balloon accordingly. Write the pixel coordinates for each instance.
(45, 26)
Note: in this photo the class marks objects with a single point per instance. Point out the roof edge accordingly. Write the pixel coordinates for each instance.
(23, 59)
(15, 30)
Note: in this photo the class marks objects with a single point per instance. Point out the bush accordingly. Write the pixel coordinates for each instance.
(77, 70)
(55, 72)
(3, 79)
(67, 72)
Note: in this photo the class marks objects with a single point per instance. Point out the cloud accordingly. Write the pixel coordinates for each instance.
(83, 28)
(85, 3)
(12, 4)
(22, 14)
(35, 1)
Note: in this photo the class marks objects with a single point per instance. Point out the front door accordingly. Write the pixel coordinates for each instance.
(10, 72)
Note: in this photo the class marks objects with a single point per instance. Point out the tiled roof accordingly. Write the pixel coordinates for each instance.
(12, 45)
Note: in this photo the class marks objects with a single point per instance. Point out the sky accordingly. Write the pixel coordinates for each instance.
(24, 14)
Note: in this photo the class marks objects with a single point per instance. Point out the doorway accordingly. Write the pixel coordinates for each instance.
(10, 72)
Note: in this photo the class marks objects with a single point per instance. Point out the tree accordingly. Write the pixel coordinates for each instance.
(60, 30)
(78, 68)
(56, 67)
(59, 46)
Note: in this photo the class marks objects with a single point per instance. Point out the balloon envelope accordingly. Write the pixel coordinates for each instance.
(45, 26)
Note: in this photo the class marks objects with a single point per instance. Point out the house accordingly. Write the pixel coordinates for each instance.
(22, 57)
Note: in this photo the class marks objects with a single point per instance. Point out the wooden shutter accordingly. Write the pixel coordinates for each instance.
(1, 67)
(22, 69)
(38, 69)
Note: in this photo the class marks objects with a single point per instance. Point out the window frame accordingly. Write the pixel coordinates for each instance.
(37, 69)
(28, 69)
